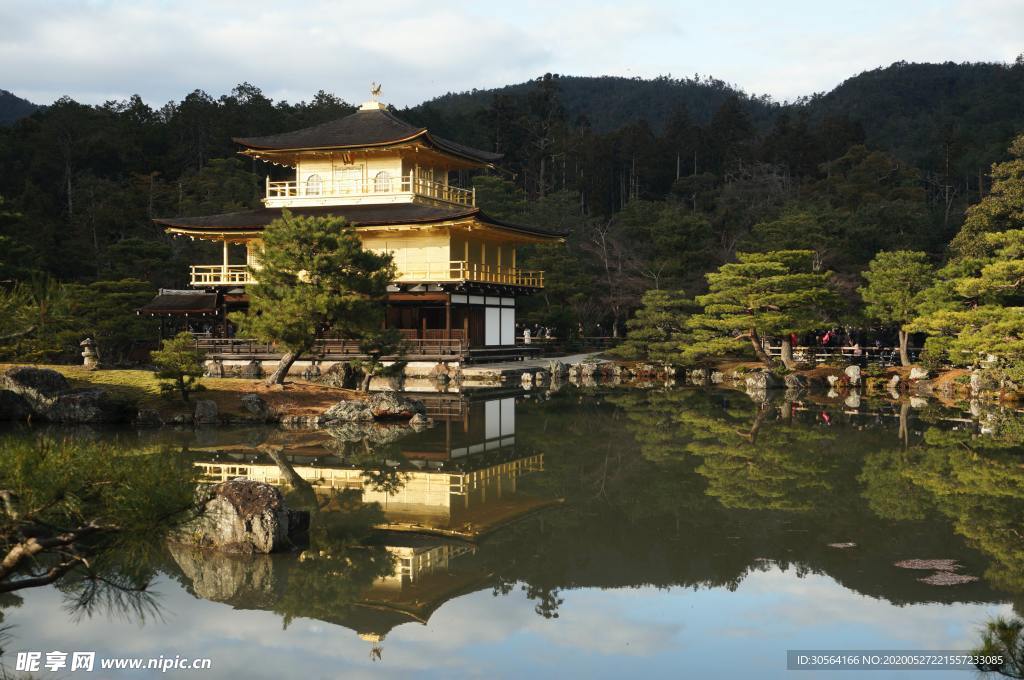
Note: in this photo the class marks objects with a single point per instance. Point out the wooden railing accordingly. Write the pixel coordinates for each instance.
(460, 270)
(406, 184)
(451, 346)
(884, 356)
(219, 275)
(456, 270)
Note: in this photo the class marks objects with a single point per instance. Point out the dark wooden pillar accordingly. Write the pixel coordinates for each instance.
(448, 318)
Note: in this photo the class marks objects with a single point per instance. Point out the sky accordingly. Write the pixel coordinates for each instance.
(100, 50)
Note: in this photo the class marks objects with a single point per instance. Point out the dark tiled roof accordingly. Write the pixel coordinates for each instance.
(181, 302)
(365, 215)
(362, 128)
(370, 214)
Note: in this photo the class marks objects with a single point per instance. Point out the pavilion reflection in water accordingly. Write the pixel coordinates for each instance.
(458, 478)
(451, 484)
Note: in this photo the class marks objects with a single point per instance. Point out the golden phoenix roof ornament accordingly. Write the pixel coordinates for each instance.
(375, 91)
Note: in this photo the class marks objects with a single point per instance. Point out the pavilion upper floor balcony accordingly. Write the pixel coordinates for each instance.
(384, 188)
(221, 275)
(461, 270)
(454, 272)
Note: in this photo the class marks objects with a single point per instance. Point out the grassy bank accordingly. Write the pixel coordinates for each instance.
(142, 388)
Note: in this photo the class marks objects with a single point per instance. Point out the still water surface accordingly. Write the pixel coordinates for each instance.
(584, 534)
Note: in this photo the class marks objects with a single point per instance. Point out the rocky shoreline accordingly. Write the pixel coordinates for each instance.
(32, 394)
(36, 394)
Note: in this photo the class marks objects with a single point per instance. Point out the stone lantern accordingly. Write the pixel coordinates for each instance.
(90, 359)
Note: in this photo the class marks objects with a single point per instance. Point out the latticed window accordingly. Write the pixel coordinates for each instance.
(314, 185)
(382, 181)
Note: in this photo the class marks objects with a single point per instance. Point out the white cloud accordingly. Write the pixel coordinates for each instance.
(600, 631)
(163, 50)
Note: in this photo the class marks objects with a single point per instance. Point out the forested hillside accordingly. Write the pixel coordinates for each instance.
(13, 107)
(607, 103)
(657, 182)
(934, 114)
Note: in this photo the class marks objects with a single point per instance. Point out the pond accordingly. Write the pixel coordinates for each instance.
(581, 532)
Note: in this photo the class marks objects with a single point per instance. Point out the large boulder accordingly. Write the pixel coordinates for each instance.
(40, 387)
(243, 516)
(852, 375)
(255, 405)
(391, 405)
(351, 411)
(13, 406)
(50, 397)
(93, 405)
(341, 375)
(379, 406)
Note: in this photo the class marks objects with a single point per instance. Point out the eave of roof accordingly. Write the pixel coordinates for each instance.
(372, 215)
(180, 302)
(362, 129)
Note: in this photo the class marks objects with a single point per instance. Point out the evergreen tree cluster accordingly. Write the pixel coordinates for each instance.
(657, 182)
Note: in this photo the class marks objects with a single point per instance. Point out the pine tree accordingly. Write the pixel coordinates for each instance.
(179, 361)
(760, 296)
(895, 284)
(313, 275)
(659, 329)
(975, 312)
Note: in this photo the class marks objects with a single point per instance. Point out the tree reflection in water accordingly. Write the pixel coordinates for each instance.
(668, 488)
(84, 515)
(1005, 639)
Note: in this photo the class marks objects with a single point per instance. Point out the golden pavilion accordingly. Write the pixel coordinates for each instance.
(458, 282)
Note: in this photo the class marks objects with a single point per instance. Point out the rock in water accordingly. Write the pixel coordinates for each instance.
(947, 578)
(557, 369)
(420, 422)
(352, 411)
(929, 565)
(390, 405)
(244, 516)
(40, 387)
(379, 406)
(918, 373)
(206, 412)
(699, 376)
(762, 380)
(796, 381)
(853, 374)
(147, 417)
